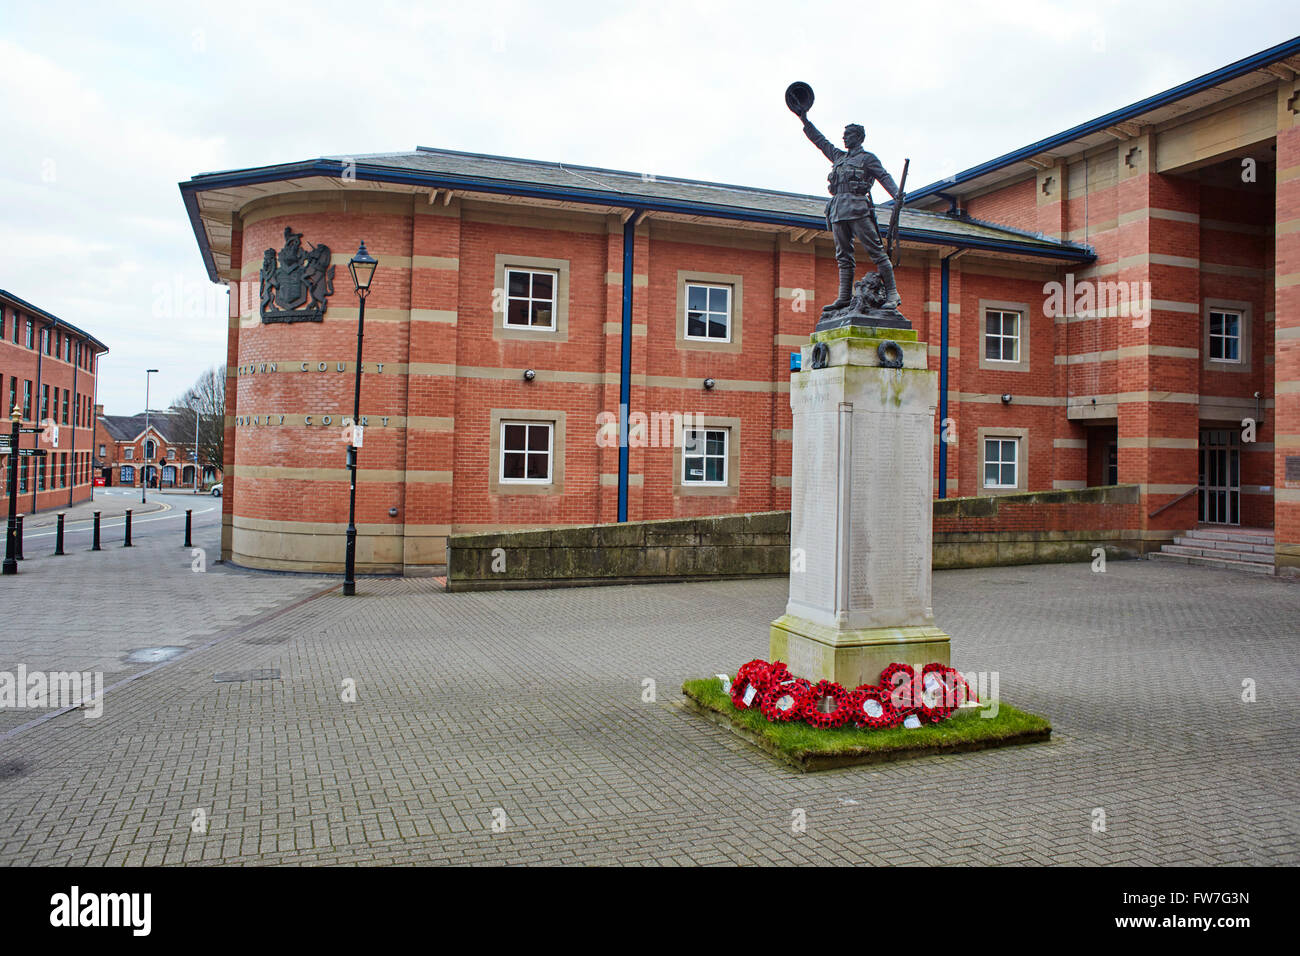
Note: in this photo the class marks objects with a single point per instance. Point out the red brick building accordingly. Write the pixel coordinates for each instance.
(158, 449)
(48, 369)
(1115, 303)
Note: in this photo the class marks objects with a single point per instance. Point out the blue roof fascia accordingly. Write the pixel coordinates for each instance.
(1200, 84)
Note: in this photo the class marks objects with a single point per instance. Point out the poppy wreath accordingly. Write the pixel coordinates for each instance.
(946, 688)
(903, 692)
(837, 717)
(938, 697)
(784, 700)
(777, 673)
(932, 695)
(861, 710)
(753, 674)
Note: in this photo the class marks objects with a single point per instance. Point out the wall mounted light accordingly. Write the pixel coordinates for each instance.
(392, 512)
(529, 375)
(709, 383)
(1006, 398)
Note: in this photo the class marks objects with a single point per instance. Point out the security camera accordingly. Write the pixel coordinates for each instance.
(709, 383)
(529, 375)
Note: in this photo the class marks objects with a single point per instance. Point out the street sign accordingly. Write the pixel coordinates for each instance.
(30, 431)
(32, 452)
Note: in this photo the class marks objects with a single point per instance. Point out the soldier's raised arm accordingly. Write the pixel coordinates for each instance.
(881, 175)
(818, 140)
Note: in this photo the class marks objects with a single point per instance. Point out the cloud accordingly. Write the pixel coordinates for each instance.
(107, 110)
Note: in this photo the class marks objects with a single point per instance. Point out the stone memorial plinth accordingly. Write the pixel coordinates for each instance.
(861, 509)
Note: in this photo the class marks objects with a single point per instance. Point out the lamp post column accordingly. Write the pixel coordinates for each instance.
(350, 562)
(11, 537)
(362, 266)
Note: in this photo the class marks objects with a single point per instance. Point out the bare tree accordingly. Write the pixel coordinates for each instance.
(207, 398)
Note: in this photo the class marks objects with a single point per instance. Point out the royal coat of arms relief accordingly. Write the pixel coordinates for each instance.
(297, 283)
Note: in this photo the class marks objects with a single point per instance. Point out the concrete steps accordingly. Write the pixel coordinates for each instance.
(1234, 549)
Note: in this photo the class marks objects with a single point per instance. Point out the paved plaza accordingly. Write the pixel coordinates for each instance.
(502, 728)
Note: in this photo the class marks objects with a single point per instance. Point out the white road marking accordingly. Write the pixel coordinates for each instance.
(88, 524)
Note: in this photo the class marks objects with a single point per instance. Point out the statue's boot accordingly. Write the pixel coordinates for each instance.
(892, 299)
(846, 291)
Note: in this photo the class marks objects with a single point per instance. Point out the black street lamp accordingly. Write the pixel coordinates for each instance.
(362, 267)
(11, 539)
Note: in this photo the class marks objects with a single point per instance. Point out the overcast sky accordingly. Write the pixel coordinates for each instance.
(107, 106)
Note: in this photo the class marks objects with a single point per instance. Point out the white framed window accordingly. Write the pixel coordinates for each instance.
(150, 449)
(1225, 335)
(128, 475)
(1001, 462)
(530, 299)
(128, 452)
(526, 452)
(704, 456)
(708, 312)
(1001, 335)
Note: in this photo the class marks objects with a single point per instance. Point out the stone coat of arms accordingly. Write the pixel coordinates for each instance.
(296, 284)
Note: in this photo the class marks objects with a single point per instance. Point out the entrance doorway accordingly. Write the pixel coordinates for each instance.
(1219, 484)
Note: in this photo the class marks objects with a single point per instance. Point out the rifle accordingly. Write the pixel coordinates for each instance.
(891, 241)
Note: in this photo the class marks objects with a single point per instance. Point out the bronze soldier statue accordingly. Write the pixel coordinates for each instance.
(850, 213)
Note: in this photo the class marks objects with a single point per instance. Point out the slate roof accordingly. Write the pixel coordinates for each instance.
(625, 185)
(174, 426)
(438, 169)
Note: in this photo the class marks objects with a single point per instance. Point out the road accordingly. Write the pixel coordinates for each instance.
(78, 531)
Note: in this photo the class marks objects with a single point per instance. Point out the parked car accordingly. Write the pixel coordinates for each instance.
(216, 489)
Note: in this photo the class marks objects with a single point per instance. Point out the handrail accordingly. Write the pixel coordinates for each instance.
(1169, 504)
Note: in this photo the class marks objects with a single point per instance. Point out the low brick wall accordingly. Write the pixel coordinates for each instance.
(1039, 527)
(675, 549)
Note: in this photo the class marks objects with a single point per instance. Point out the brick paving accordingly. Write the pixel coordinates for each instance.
(87, 611)
(526, 707)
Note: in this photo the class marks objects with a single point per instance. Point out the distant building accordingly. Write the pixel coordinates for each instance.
(48, 369)
(160, 453)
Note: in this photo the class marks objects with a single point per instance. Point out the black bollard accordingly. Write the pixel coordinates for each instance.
(18, 545)
(189, 514)
(58, 537)
(127, 543)
(94, 541)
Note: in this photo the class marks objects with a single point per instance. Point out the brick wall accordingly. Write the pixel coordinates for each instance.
(67, 467)
(1038, 527)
